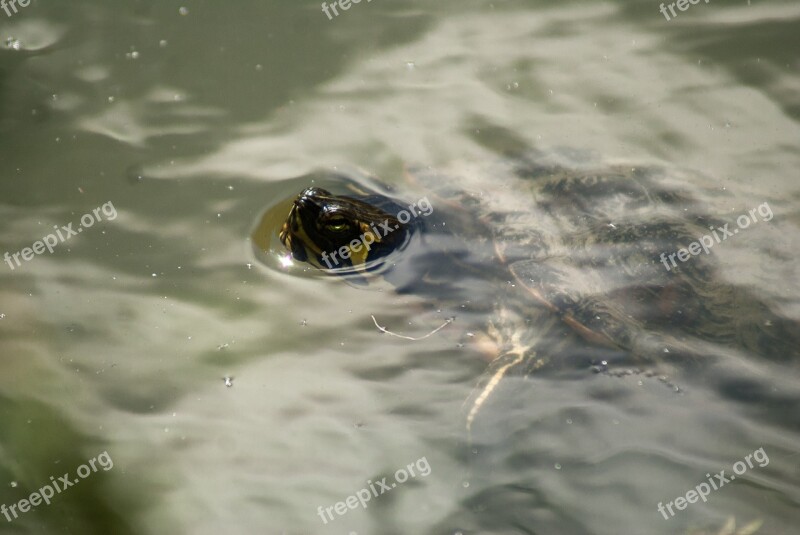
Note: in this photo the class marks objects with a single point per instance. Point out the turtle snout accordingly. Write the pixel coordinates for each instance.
(311, 197)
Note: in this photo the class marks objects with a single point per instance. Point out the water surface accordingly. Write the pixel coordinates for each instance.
(193, 118)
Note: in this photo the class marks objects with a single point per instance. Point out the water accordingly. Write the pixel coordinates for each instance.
(236, 396)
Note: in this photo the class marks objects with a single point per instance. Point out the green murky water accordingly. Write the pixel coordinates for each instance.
(187, 120)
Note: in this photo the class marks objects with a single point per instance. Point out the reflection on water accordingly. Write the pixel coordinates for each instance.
(197, 122)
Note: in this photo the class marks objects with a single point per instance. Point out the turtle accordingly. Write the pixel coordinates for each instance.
(567, 258)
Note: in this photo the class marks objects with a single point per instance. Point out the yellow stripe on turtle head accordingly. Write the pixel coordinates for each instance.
(366, 230)
(312, 249)
(368, 237)
(358, 258)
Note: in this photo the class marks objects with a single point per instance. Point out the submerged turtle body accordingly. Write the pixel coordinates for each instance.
(567, 262)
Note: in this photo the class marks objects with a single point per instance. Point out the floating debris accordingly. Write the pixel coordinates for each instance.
(447, 322)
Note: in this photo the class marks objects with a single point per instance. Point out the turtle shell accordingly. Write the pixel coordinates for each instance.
(556, 252)
(591, 244)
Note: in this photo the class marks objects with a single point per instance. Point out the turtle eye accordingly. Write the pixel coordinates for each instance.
(337, 225)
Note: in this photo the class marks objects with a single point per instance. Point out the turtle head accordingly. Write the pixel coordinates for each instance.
(332, 231)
